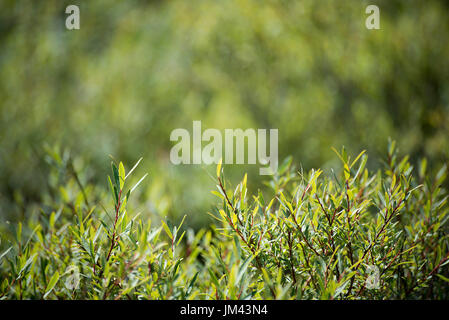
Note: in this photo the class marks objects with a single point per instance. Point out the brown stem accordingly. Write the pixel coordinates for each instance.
(113, 241)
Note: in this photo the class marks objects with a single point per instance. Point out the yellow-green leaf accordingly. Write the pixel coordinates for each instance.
(51, 284)
(167, 229)
(121, 172)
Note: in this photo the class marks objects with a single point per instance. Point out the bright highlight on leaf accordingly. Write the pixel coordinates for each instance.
(121, 170)
(51, 284)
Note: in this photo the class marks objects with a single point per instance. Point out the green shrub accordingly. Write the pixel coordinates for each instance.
(357, 235)
(347, 235)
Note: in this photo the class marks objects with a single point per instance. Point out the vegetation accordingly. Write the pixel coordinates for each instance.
(352, 234)
(356, 228)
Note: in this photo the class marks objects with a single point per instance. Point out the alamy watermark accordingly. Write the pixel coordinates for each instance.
(373, 20)
(190, 150)
(72, 21)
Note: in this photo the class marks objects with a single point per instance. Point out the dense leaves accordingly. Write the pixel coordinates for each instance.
(347, 235)
(356, 235)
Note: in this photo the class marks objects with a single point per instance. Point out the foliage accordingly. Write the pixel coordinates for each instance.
(81, 252)
(357, 235)
(347, 235)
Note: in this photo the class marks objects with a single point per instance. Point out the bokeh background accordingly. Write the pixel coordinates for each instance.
(138, 69)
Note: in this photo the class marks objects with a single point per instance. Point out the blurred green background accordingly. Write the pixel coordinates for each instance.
(136, 70)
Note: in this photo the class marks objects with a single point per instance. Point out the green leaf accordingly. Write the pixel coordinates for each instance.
(346, 172)
(26, 265)
(442, 277)
(167, 230)
(182, 221)
(137, 184)
(135, 166)
(243, 268)
(5, 253)
(19, 232)
(116, 175)
(113, 190)
(357, 158)
(121, 172)
(51, 284)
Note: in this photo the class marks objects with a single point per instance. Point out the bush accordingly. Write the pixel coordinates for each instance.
(347, 235)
